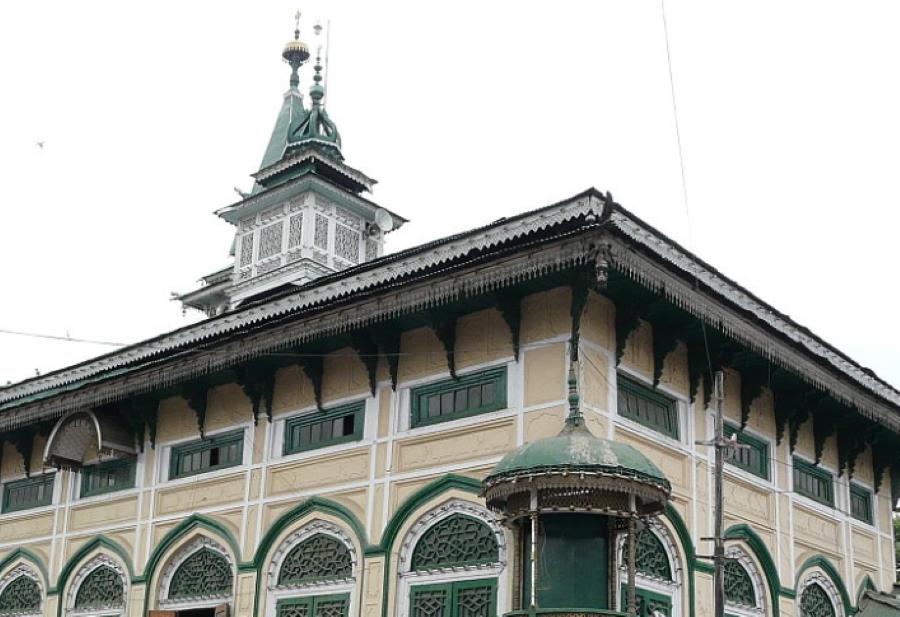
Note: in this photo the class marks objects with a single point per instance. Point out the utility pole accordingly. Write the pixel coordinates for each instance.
(721, 444)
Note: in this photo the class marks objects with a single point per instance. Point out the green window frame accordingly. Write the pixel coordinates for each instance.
(108, 477)
(28, 493)
(813, 482)
(861, 503)
(754, 458)
(648, 602)
(325, 428)
(647, 406)
(470, 598)
(450, 399)
(336, 605)
(205, 455)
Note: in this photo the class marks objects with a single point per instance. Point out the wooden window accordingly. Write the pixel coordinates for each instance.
(647, 406)
(317, 430)
(649, 603)
(860, 503)
(458, 398)
(813, 482)
(754, 458)
(314, 606)
(115, 475)
(28, 493)
(473, 598)
(207, 455)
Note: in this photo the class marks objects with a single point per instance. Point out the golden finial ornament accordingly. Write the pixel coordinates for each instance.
(295, 52)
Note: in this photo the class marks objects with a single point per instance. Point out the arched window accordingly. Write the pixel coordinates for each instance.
(199, 575)
(451, 564)
(738, 585)
(657, 576)
(99, 585)
(312, 573)
(815, 602)
(20, 593)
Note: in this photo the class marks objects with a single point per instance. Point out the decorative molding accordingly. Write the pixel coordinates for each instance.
(165, 579)
(15, 573)
(98, 561)
(759, 585)
(306, 531)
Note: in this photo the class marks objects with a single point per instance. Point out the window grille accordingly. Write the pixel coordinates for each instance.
(371, 250)
(28, 493)
(295, 230)
(21, 596)
(860, 503)
(738, 584)
(813, 482)
(458, 398)
(754, 458)
(207, 455)
(246, 249)
(317, 430)
(346, 243)
(314, 606)
(320, 237)
(319, 558)
(270, 240)
(651, 557)
(647, 406)
(116, 475)
(102, 588)
(476, 598)
(814, 602)
(457, 540)
(205, 573)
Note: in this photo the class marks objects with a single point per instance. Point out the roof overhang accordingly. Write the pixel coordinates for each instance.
(307, 154)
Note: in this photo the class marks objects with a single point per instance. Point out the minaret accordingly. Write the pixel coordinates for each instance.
(306, 215)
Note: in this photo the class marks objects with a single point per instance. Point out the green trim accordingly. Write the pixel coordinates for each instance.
(46, 500)
(705, 567)
(26, 555)
(202, 445)
(357, 410)
(312, 601)
(421, 496)
(864, 584)
(419, 396)
(816, 473)
(626, 385)
(313, 504)
(865, 494)
(823, 563)
(755, 543)
(760, 447)
(69, 567)
(690, 555)
(111, 465)
(452, 588)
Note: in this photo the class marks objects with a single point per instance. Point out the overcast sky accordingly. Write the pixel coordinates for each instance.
(465, 112)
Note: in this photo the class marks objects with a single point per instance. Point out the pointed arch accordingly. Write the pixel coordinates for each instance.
(24, 555)
(21, 592)
(101, 583)
(744, 586)
(818, 570)
(102, 543)
(197, 563)
(757, 547)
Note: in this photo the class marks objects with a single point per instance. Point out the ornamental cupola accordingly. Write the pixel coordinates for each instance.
(307, 214)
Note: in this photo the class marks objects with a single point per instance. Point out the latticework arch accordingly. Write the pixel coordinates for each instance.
(816, 602)
(319, 558)
(201, 571)
(738, 584)
(98, 584)
(457, 540)
(20, 592)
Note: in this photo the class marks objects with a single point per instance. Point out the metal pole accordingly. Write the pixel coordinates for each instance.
(720, 445)
(632, 556)
(534, 529)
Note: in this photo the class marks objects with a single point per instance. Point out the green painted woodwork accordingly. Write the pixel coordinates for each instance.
(818, 561)
(327, 428)
(101, 588)
(207, 455)
(451, 399)
(107, 477)
(813, 482)
(318, 558)
(203, 573)
(754, 542)
(25, 555)
(650, 556)
(573, 561)
(754, 458)
(21, 596)
(738, 584)
(649, 603)
(860, 503)
(335, 605)
(814, 602)
(28, 493)
(475, 598)
(647, 406)
(455, 541)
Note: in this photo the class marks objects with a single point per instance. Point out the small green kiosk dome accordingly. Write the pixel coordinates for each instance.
(575, 471)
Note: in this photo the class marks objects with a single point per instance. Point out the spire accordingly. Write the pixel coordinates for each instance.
(316, 128)
(295, 52)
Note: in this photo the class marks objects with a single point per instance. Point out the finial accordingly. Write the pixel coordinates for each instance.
(295, 53)
(575, 418)
(317, 92)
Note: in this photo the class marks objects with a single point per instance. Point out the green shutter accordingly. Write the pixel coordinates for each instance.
(860, 503)
(107, 477)
(450, 399)
(204, 455)
(28, 493)
(813, 482)
(317, 430)
(647, 406)
(754, 458)
(472, 598)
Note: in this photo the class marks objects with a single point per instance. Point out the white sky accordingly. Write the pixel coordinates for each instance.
(465, 111)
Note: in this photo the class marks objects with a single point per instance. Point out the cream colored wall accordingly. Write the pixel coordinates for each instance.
(372, 478)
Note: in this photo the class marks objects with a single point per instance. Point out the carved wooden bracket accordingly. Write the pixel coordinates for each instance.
(314, 368)
(576, 311)
(444, 325)
(257, 380)
(387, 340)
(510, 307)
(367, 350)
(195, 394)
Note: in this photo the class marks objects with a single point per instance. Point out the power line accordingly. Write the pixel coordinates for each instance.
(55, 337)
